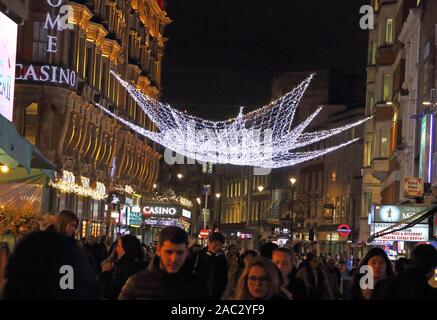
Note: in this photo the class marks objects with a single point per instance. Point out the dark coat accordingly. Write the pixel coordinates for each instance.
(296, 287)
(319, 292)
(111, 282)
(213, 270)
(356, 293)
(156, 284)
(410, 284)
(34, 269)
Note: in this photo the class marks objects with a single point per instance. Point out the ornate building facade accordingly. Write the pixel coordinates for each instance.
(66, 50)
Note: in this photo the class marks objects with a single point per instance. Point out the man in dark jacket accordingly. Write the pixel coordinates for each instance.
(169, 277)
(210, 265)
(284, 260)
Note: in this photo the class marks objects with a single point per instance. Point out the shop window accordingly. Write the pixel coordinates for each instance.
(31, 123)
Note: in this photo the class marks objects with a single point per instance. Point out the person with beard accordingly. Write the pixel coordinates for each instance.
(169, 277)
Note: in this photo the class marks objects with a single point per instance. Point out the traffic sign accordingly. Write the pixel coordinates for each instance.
(344, 230)
(204, 233)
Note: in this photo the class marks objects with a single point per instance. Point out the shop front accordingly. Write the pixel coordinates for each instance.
(156, 216)
(238, 235)
(399, 243)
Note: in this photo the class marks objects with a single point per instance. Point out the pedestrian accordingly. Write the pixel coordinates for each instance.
(232, 261)
(130, 260)
(98, 252)
(118, 235)
(49, 266)
(401, 265)
(261, 281)
(414, 282)
(211, 267)
(284, 260)
(314, 278)
(243, 262)
(382, 271)
(333, 278)
(168, 277)
(66, 223)
(266, 250)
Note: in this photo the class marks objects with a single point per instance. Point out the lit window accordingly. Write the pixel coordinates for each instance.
(31, 123)
(334, 176)
(386, 87)
(389, 31)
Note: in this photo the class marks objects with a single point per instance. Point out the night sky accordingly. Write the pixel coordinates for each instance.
(226, 53)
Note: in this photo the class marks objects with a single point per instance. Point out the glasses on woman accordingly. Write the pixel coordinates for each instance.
(260, 279)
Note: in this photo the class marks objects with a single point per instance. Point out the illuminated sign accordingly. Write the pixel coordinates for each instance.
(413, 187)
(8, 52)
(162, 222)
(392, 213)
(426, 147)
(186, 213)
(417, 233)
(53, 74)
(61, 23)
(160, 211)
(134, 219)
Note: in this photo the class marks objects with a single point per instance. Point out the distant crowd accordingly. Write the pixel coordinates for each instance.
(126, 269)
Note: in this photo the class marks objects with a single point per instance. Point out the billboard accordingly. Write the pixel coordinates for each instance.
(417, 233)
(8, 52)
(393, 213)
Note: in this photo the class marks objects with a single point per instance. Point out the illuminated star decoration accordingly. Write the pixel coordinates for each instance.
(262, 138)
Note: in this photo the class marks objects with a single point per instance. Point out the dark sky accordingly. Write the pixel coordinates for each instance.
(226, 53)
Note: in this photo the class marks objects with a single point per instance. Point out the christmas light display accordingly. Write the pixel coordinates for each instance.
(262, 138)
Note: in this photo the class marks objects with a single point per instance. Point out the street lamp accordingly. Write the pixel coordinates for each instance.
(180, 176)
(198, 201)
(292, 181)
(218, 195)
(260, 189)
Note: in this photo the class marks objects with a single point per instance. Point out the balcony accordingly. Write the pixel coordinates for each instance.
(387, 53)
(380, 168)
(383, 112)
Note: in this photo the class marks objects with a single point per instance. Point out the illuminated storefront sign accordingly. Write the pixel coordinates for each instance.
(8, 52)
(417, 233)
(392, 213)
(186, 213)
(53, 74)
(134, 219)
(156, 210)
(162, 222)
(68, 184)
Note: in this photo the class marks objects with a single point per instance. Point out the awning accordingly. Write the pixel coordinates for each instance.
(16, 151)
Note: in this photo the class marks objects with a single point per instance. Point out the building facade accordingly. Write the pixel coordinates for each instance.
(66, 50)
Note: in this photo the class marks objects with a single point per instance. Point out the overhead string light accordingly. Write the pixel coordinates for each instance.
(261, 138)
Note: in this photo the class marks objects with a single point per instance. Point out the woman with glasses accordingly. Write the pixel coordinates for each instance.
(261, 280)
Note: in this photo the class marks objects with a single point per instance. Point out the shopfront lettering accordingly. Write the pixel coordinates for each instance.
(148, 210)
(46, 73)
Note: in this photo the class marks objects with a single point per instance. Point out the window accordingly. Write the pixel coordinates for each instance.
(104, 78)
(320, 180)
(207, 168)
(71, 48)
(89, 66)
(389, 31)
(371, 103)
(384, 151)
(334, 176)
(394, 132)
(39, 47)
(376, 5)
(367, 153)
(31, 123)
(386, 87)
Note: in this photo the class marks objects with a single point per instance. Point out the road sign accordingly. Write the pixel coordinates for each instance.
(204, 233)
(344, 230)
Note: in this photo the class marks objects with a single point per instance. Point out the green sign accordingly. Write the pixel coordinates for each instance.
(134, 219)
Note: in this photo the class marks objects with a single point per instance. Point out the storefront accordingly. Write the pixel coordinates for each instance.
(156, 216)
(399, 243)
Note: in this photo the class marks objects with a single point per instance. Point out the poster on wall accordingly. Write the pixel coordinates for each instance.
(8, 52)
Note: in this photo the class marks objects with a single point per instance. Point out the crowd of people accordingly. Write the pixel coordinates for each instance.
(128, 270)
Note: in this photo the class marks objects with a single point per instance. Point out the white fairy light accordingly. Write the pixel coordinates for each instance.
(262, 138)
